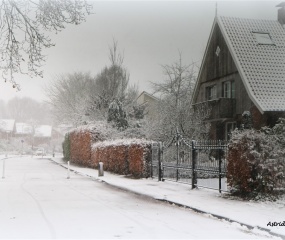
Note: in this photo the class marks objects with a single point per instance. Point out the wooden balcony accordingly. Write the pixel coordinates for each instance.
(217, 109)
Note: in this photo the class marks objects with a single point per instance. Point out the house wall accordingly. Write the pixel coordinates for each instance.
(215, 71)
(143, 98)
(149, 102)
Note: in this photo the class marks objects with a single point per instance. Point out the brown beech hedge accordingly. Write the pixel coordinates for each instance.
(125, 156)
(80, 141)
(87, 147)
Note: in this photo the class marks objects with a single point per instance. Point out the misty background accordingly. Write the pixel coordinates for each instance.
(149, 33)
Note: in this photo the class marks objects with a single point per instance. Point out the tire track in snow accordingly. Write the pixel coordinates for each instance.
(48, 223)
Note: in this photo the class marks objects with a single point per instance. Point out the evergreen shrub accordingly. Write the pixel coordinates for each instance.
(66, 147)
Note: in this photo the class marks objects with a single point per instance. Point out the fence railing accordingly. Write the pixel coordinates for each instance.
(191, 162)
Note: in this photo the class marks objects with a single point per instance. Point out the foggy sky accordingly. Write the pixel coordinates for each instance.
(149, 33)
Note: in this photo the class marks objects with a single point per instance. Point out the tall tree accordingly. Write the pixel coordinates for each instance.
(70, 96)
(28, 110)
(111, 83)
(24, 27)
(174, 111)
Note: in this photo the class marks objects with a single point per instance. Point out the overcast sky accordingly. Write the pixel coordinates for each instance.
(150, 33)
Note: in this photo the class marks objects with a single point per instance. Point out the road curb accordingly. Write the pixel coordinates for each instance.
(250, 227)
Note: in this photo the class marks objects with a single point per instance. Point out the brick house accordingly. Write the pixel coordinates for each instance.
(243, 71)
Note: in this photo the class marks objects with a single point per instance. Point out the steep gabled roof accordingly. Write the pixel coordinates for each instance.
(261, 66)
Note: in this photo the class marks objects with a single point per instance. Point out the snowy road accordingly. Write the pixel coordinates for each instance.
(37, 201)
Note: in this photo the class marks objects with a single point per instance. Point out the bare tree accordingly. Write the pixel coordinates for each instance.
(174, 111)
(111, 83)
(69, 96)
(27, 109)
(23, 29)
(79, 97)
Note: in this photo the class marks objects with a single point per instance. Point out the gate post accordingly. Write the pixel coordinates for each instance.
(160, 157)
(220, 166)
(177, 155)
(194, 159)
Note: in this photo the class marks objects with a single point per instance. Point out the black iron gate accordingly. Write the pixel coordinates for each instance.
(199, 163)
(209, 164)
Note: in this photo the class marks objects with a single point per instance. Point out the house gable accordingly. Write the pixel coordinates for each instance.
(218, 60)
(217, 65)
(260, 65)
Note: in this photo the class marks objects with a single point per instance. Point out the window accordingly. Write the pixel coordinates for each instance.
(230, 126)
(263, 38)
(228, 89)
(211, 92)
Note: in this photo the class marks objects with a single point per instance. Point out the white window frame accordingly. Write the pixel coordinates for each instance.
(230, 126)
(228, 89)
(211, 92)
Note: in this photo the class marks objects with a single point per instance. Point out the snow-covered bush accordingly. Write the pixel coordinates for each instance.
(117, 115)
(255, 163)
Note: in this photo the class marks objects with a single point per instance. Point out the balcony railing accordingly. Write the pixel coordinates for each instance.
(218, 108)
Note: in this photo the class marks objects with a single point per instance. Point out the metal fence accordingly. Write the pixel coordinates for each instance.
(199, 163)
(210, 164)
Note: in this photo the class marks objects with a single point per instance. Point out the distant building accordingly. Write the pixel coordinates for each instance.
(147, 101)
(243, 71)
(7, 128)
(42, 134)
(23, 130)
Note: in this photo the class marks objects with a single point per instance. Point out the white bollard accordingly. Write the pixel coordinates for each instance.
(100, 169)
(3, 173)
(68, 170)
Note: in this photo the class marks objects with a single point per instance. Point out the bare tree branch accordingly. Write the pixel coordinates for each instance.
(23, 29)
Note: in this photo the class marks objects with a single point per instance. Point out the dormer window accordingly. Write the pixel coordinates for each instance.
(263, 38)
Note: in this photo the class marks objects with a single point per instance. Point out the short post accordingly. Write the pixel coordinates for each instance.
(220, 166)
(100, 169)
(3, 173)
(194, 159)
(68, 170)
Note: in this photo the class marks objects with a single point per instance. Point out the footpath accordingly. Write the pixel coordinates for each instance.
(253, 215)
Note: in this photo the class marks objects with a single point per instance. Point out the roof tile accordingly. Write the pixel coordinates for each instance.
(263, 66)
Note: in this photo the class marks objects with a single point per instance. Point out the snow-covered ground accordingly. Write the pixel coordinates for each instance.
(255, 214)
(38, 201)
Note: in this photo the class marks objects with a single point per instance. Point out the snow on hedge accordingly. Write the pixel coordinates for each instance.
(121, 142)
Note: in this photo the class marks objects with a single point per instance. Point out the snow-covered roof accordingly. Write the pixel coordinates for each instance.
(261, 66)
(149, 95)
(23, 128)
(7, 125)
(43, 131)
